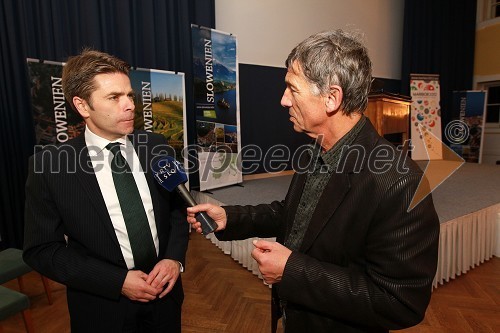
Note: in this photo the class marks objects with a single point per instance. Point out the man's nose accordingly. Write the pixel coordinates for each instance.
(129, 103)
(285, 100)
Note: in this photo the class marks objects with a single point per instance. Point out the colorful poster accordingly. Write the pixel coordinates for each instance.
(426, 113)
(159, 105)
(215, 69)
(471, 106)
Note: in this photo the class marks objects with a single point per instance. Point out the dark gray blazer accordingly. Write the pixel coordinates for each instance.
(63, 198)
(366, 264)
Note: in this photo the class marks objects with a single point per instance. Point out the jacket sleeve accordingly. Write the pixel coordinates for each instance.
(171, 209)
(391, 288)
(252, 221)
(45, 248)
(179, 231)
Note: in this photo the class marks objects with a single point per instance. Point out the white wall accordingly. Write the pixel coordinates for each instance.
(267, 30)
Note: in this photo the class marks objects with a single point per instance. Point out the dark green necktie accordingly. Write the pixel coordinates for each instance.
(136, 221)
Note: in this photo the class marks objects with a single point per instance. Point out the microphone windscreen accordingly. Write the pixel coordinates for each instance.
(168, 172)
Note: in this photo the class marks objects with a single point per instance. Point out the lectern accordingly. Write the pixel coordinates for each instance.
(389, 114)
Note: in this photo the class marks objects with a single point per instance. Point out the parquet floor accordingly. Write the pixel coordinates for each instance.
(222, 296)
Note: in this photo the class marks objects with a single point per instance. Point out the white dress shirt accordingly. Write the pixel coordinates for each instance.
(101, 161)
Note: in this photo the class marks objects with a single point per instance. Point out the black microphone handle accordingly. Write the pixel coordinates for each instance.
(184, 193)
(208, 225)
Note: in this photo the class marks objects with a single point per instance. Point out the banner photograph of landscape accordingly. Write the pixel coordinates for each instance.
(217, 107)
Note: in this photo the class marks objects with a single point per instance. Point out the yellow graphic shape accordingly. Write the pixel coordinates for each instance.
(436, 170)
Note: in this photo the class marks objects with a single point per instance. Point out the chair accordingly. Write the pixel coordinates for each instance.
(13, 266)
(12, 302)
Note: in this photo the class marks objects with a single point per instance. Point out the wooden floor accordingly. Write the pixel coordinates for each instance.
(222, 296)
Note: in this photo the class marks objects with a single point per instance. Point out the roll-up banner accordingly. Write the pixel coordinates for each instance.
(55, 122)
(160, 105)
(216, 100)
(425, 112)
(471, 107)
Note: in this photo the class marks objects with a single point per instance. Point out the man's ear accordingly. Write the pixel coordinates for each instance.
(81, 106)
(334, 99)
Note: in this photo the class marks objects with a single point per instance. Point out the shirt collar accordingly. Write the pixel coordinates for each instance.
(332, 156)
(96, 144)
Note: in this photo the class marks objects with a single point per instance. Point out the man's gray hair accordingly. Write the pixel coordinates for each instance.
(336, 58)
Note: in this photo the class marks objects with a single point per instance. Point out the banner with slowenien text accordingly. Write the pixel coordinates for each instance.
(55, 122)
(160, 105)
(215, 70)
(471, 106)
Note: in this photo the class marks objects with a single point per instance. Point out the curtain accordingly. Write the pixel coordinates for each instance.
(439, 38)
(145, 33)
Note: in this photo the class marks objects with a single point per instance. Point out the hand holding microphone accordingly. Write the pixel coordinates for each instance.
(217, 213)
(170, 174)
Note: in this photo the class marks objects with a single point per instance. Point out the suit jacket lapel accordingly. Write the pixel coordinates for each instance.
(88, 181)
(292, 200)
(143, 154)
(339, 185)
(331, 198)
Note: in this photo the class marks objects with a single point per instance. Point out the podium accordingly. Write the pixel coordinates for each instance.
(389, 114)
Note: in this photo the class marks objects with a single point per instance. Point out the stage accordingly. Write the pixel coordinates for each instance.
(467, 203)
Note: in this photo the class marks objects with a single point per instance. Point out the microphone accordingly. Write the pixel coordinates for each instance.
(171, 175)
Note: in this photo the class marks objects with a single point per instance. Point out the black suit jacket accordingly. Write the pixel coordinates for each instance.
(366, 264)
(63, 199)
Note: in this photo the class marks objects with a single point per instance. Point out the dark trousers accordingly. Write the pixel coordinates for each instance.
(159, 316)
(91, 313)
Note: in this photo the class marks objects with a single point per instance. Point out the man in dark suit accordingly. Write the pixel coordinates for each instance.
(112, 236)
(350, 255)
